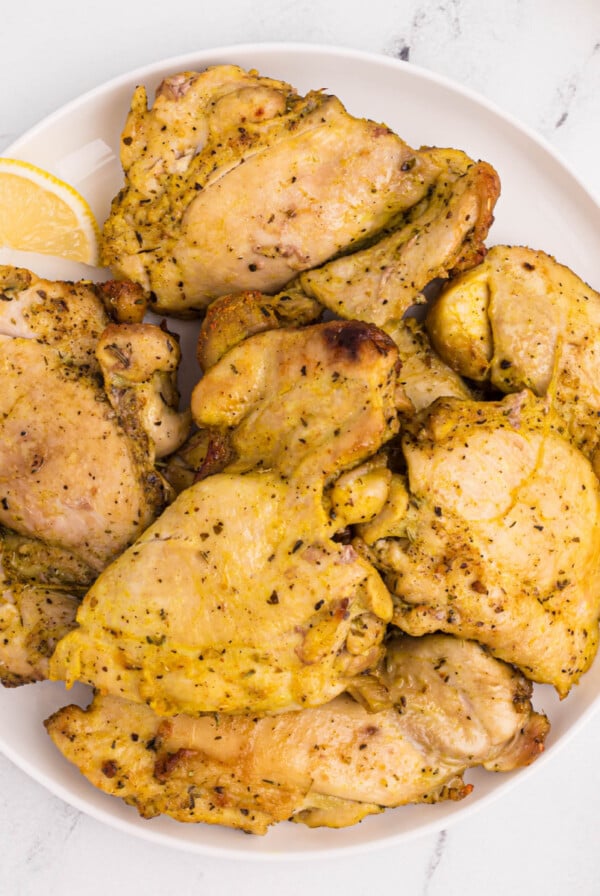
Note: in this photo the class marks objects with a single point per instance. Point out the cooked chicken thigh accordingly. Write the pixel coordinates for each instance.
(495, 535)
(450, 706)
(236, 599)
(77, 484)
(139, 366)
(234, 182)
(308, 402)
(69, 475)
(441, 235)
(522, 320)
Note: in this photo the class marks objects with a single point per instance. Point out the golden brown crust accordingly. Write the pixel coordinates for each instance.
(126, 302)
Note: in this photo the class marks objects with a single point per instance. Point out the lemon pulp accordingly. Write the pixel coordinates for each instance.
(41, 213)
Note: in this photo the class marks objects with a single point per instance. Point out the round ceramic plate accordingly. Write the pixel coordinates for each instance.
(542, 205)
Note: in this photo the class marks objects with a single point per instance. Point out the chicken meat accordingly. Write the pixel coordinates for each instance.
(522, 320)
(39, 596)
(449, 706)
(235, 182)
(78, 480)
(439, 236)
(423, 375)
(231, 319)
(241, 597)
(309, 402)
(493, 534)
(237, 599)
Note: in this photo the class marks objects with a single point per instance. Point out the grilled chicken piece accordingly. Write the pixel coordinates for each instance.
(236, 599)
(77, 484)
(231, 319)
(307, 402)
(522, 320)
(450, 706)
(260, 406)
(234, 182)
(495, 535)
(69, 475)
(126, 302)
(440, 236)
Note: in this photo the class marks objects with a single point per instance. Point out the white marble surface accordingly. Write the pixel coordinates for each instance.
(538, 60)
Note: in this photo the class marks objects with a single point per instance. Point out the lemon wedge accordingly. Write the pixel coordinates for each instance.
(40, 213)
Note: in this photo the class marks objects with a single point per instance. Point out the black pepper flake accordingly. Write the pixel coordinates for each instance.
(273, 598)
(109, 769)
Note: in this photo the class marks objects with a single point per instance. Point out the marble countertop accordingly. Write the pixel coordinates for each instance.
(538, 60)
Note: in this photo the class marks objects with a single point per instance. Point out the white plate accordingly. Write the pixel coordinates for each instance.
(542, 205)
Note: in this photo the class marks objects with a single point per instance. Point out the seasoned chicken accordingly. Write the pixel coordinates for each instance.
(236, 599)
(240, 598)
(450, 706)
(441, 235)
(308, 402)
(77, 478)
(68, 473)
(234, 182)
(37, 607)
(231, 319)
(285, 399)
(139, 366)
(423, 375)
(522, 320)
(494, 535)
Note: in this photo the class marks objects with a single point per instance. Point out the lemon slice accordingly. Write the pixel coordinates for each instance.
(40, 213)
